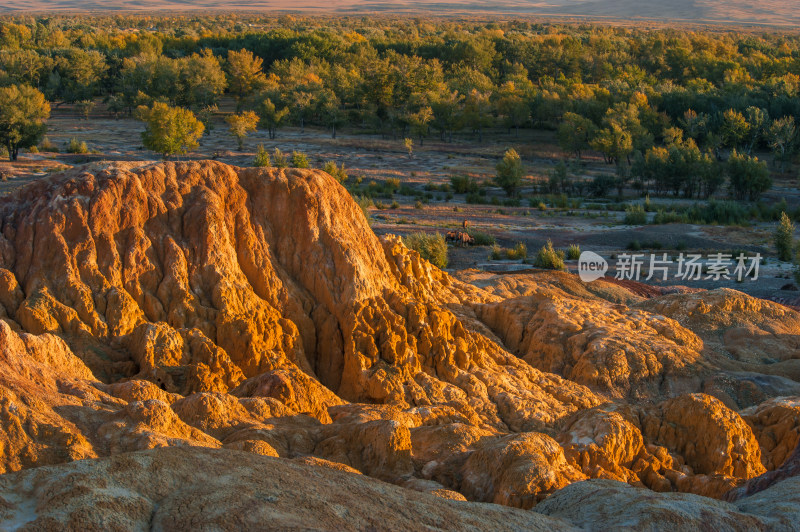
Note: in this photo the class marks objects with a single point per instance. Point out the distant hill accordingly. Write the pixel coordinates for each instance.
(740, 12)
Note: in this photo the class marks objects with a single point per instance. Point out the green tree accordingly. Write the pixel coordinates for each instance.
(77, 75)
(169, 130)
(14, 35)
(239, 125)
(757, 121)
(420, 123)
(512, 106)
(614, 142)
(734, 128)
(445, 108)
(748, 176)
(272, 117)
(23, 115)
(24, 67)
(784, 238)
(509, 172)
(202, 80)
(781, 135)
(575, 133)
(245, 74)
(477, 111)
(330, 110)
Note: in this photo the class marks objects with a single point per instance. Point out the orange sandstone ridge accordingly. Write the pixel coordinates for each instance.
(166, 323)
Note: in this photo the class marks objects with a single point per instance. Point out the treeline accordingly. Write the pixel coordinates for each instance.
(659, 104)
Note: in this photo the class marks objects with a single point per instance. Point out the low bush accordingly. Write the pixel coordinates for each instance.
(549, 258)
(299, 160)
(671, 217)
(635, 215)
(432, 247)
(719, 212)
(47, 146)
(76, 146)
(481, 238)
(518, 252)
(464, 184)
(574, 252)
(279, 159)
(337, 172)
(262, 159)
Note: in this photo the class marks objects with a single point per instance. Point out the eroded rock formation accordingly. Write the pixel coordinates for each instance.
(207, 307)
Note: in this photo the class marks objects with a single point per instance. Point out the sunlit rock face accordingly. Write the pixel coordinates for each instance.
(229, 311)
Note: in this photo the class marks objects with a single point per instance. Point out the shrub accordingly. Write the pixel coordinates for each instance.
(338, 172)
(392, 185)
(635, 215)
(299, 160)
(464, 184)
(784, 238)
(279, 159)
(509, 173)
(720, 212)
(671, 217)
(560, 201)
(48, 146)
(549, 258)
(481, 238)
(601, 185)
(518, 252)
(574, 252)
(262, 159)
(431, 247)
(76, 146)
(475, 198)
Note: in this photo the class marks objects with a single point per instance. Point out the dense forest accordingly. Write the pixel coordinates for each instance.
(676, 111)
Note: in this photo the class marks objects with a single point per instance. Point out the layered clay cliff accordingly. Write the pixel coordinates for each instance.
(166, 323)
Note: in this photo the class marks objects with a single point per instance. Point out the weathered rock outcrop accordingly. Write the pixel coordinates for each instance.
(218, 310)
(610, 505)
(198, 489)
